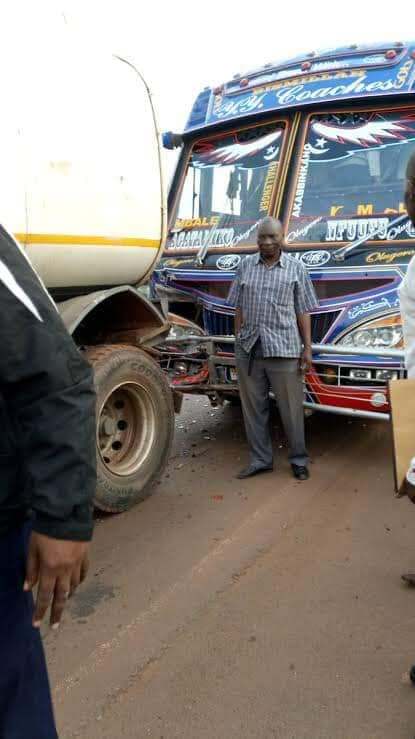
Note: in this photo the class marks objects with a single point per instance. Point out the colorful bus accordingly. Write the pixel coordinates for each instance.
(321, 142)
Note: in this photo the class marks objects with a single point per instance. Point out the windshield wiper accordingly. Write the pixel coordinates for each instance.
(200, 256)
(346, 251)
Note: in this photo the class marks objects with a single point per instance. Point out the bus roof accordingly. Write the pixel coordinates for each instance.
(354, 72)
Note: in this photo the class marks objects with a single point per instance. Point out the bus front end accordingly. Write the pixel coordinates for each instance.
(322, 144)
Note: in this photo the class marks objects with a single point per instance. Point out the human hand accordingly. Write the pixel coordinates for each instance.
(306, 360)
(57, 567)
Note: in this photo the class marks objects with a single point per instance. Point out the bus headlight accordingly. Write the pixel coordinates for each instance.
(180, 328)
(384, 333)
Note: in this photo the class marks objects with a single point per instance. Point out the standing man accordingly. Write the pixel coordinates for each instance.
(273, 295)
(47, 482)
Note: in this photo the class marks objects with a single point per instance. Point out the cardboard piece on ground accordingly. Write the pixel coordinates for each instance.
(402, 400)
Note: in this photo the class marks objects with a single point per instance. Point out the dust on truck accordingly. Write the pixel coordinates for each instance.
(81, 189)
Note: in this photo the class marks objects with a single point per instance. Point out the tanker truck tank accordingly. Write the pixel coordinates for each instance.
(81, 189)
(88, 202)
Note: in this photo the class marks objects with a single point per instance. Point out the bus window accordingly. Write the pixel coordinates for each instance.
(350, 178)
(227, 188)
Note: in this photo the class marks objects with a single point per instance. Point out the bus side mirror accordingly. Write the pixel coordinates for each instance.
(172, 140)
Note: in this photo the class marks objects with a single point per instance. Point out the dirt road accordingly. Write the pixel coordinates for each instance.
(221, 609)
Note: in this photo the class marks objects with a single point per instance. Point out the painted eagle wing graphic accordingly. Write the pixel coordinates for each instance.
(372, 132)
(235, 152)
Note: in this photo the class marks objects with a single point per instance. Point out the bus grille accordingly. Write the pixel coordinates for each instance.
(220, 324)
(321, 323)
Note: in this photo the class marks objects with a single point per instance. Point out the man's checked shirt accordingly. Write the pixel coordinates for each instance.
(270, 299)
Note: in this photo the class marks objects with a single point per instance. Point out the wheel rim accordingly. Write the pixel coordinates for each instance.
(126, 428)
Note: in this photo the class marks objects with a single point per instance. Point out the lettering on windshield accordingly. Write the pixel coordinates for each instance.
(350, 178)
(197, 238)
(268, 187)
(353, 229)
(300, 233)
(302, 179)
(228, 188)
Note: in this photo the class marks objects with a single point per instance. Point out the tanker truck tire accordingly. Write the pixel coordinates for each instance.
(135, 424)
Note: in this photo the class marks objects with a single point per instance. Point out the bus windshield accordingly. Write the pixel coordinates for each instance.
(228, 188)
(350, 178)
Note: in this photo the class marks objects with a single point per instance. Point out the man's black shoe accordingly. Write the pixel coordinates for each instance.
(252, 470)
(300, 472)
(409, 578)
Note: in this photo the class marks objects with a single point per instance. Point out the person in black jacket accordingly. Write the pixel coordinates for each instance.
(47, 483)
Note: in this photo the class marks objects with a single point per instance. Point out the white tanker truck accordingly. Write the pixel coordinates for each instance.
(81, 190)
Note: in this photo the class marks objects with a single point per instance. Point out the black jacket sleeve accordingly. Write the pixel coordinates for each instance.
(49, 393)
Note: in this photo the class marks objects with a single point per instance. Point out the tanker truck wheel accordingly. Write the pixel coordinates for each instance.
(135, 424)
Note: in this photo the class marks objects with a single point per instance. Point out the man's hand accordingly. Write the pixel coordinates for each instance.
(57, 567)
(306, 361)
